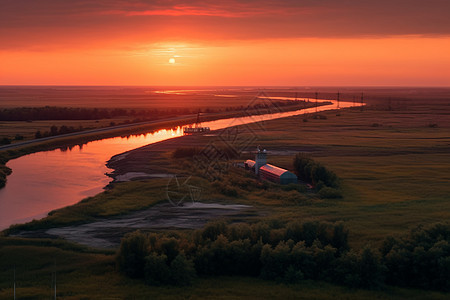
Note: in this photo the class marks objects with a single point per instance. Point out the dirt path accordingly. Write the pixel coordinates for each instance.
(108, 232)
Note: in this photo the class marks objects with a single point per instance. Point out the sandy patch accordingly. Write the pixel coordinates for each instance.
(107, 233)
(140, 175)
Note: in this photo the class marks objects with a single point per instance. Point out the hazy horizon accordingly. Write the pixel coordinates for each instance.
(229, 86)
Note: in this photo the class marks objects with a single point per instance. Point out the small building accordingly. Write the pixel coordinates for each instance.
(249, 165)
(267, 171)
(276, 174)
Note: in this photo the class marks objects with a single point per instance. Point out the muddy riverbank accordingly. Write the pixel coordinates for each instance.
(107, 233)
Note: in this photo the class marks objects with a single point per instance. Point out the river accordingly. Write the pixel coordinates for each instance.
(45, 181)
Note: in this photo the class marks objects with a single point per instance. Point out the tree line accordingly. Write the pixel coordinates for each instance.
(75, 113)
(55, 130)
(59, 113)
(288, 252)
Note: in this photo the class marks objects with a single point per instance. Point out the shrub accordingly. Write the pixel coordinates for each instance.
(329, 193)
(182, 271)
(294, 187)
(156, 271)
(5, 141)
(213, 230)
(340, 238)
(225, 188)
(346, 270)
(371, 269)
(185, 152)
(131, 256)
(310, 171)
(419, 259)
(293, 275)
(275, 261)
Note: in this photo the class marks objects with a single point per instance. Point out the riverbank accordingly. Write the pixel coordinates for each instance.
(393, 167)
(378, 166)
(219, 124)
(77, 173)
(13, 151)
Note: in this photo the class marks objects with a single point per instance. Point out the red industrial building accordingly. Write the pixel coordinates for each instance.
(269, 172)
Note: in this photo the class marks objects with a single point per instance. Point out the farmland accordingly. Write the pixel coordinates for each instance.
(392, 162)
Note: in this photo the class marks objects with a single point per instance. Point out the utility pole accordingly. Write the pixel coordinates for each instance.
(362, 101)
(54, 280)
(338, 100)
(316, 101)
(14, 282)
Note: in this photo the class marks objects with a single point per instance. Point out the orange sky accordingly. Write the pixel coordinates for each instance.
(261, 43)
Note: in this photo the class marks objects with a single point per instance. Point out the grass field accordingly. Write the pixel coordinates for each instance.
(394, 175)
(195, 97)
(393, 165)
(128, 97)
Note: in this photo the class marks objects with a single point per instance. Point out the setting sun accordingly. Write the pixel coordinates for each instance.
(224, 149)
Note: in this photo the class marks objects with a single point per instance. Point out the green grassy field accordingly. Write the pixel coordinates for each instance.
(394, 176)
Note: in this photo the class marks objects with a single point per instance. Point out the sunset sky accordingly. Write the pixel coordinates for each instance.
(193, 42)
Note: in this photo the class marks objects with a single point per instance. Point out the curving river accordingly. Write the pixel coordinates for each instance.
(45, 181)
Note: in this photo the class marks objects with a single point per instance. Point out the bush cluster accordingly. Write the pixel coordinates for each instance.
(5, 141)
(54, 130)
(160, 260)
(325, 181)
(311, 171)
(420, 259)
(4, 172)
(185, 152)
(267, 249)
(289, 252)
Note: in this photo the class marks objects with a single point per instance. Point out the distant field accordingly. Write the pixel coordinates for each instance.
(393, 165)
(122, 97)
(392, 156)
(198, 97)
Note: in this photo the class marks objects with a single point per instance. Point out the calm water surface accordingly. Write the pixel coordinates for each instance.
(44, 181)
